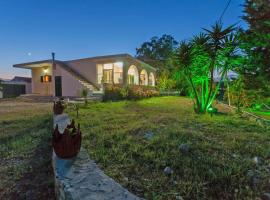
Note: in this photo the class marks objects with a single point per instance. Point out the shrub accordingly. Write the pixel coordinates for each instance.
(130, 92)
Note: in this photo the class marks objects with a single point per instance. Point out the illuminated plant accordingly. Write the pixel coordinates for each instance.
(214, 51)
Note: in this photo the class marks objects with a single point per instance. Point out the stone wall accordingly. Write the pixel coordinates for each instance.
(80, 178)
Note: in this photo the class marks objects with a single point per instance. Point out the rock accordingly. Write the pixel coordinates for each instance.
(149, 135)
(178, 197)
(184, 148)
(250, 173)
(265, 196)
(256, 160)
(253, 177)
(234, 155)
(255, 181)
(168, 170)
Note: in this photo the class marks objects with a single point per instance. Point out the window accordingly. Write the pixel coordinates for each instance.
(46, 79)
(107, 76)
(99, 73)
(133, 77)
(130, 79)
(143, 77)
(110, 73)
(118, 72)
(151, 79)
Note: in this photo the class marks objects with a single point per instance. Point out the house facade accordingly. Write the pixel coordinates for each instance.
(68, 78)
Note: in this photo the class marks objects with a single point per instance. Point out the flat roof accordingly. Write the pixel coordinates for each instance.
(30, 65)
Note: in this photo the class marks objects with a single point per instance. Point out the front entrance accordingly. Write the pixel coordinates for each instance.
(58, 86)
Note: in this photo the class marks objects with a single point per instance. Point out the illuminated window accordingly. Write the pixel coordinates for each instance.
(133, 75)
(46, 79)
(151, 79)
(99, 73)
(118, 72)
(143, 77)
(110, 73)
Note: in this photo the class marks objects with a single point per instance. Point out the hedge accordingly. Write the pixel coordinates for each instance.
(114, 92)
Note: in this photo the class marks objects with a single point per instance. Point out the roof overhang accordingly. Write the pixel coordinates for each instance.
(36, 64)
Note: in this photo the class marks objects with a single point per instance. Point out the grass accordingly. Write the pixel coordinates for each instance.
(263, 114)
(218, 165)
(25, 151)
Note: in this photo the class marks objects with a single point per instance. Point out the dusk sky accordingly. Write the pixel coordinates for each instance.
(32, 29)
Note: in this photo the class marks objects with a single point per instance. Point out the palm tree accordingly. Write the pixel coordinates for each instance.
(200, 57)
(216, 38)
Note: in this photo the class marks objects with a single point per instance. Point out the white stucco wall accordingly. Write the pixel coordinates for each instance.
(37, 86)
(85, 67)
(71, 87)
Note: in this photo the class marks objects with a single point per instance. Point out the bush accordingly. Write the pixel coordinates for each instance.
(130, 92)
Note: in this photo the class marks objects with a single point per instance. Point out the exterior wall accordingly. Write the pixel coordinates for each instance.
(88, 67)
(71, 87)
(85, 68)
(37, 86)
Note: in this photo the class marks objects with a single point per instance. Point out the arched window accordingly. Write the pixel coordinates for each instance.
(133, 75)
(151, 79)
(143, 77)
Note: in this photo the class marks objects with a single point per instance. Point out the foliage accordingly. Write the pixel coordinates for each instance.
(255, 43)
(114, 92)
(165, 82)
(84, 94)
(202, 56)
(158, 52)
(241, 97)
(217, 166)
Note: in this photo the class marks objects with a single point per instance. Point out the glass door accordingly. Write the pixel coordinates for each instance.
(108, 76)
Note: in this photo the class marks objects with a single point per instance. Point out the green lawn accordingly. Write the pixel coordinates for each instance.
(218, 166)
(25, 151)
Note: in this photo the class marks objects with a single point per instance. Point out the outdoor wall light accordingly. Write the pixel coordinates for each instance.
(45, 70)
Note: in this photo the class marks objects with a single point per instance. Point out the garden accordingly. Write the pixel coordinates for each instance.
(209, 141)
(159, 148)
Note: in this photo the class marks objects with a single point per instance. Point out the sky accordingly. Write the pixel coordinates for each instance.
(31, 29)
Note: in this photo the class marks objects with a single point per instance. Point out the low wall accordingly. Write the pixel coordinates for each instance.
(80, 178)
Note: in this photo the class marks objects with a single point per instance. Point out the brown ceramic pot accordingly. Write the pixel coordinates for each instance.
(68, 144)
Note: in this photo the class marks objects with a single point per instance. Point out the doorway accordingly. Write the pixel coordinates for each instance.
(58, 86)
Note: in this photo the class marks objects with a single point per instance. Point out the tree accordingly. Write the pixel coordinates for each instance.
(255, 43)
(158, 52)
(198, 59)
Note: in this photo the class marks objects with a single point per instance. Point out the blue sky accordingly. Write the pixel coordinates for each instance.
(32, 29)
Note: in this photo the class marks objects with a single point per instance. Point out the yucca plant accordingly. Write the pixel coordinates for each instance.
(199, 58)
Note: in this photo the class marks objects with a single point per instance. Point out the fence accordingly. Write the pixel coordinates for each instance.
(12, 90)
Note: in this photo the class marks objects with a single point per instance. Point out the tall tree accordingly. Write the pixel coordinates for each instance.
(256, 45)
(159, 53)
